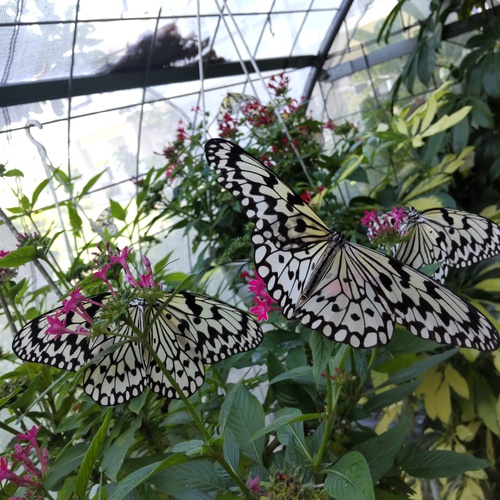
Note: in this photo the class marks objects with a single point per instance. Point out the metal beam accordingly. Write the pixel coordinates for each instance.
(402, 48)
(24, 93)
(333, 31)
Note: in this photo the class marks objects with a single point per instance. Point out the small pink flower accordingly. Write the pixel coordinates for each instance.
(58, 327)
(101, 274)
(3, 253)
(261, 309)
(306, 196)
(253, 484)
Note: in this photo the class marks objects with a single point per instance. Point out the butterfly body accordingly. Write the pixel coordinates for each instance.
(188, 332)
(350, 293)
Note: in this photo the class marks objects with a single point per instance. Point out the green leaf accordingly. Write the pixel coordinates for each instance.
(491, 74)
(132, 481)
(294, 374)
(419, 368)
(386, 398)
(284, 420)
(227, 405)
(13, 173)
(381, 451)
(91, 183)
(18, 257)
(38, 190)
(189, 448)
(321, 349)
(90, 459)
(194, 480)
(117, 211)
(460, 135)
(66, 463)
(485, 401)
(447, 121)
(481, 113)
(245, 418)
(74, 218)
(115, 454)
(347, 169)
(231, 450)
(350, 479)
(437, 463)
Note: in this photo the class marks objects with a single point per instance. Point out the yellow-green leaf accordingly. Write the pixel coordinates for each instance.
(430, 112)
(447, 121)
(489, 285)
(443, 402)
(456, 381)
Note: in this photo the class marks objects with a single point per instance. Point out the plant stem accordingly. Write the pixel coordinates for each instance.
(331, 406)
(196, 418)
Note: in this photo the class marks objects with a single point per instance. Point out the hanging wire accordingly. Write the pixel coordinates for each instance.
(261, 78)
(47, 166)
(70, 85)
(200, 69)
(51, 172)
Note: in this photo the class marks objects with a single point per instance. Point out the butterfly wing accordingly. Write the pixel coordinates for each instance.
(193, 330)
(365, 292)
(455, 237)
(109, 379)
(360, 293)
(289, 238)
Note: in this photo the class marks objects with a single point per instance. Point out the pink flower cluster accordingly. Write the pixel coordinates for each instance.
(34, 474)
(264, 302)
(76, 301)
(387, 229)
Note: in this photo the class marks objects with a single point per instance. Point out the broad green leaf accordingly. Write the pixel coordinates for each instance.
(460, 135)
(90, 458)
(488, 285)
(117, 211)
(295, 373)
(231, 450)
(321, 349)
(386, 398)
(245, 418)
(132, 481)
(189, 448)
(18, 257)
(447, 121)
(67, 462)
(481, 113)
(350, 479)
(419, 368)
(437, 463)
(194, 480)
(381, 451)
(284, 420)
(113, 457)
(491, 74)
(225, 409)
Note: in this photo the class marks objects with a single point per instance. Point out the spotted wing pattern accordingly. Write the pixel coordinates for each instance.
(453, 237)
(350, 293)
(190, 331)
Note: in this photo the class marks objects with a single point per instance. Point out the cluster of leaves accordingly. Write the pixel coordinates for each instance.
(302, 417)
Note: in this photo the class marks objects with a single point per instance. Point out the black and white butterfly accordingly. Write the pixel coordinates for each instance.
(453, 237)
(190, 331)
(349, 293)
(232, 103)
